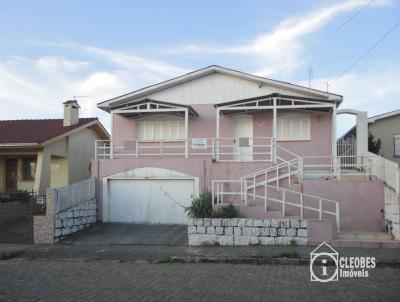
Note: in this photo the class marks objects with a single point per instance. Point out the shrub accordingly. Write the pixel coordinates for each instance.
(228, 211)
(201, 206)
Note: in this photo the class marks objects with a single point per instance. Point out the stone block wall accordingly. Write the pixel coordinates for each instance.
(247, 231)
(392, 211)
(74, 219)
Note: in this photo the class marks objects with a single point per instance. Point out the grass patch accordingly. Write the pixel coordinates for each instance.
(290, 255)
(163, 259)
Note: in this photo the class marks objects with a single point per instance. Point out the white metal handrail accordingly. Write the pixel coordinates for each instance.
(337, 166)
(220, 149)
(219, 191)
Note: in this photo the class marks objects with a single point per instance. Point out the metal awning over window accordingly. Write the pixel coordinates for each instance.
(277, 101)
(147, 107)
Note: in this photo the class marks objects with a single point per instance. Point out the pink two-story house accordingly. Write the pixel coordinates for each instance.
(268, 147)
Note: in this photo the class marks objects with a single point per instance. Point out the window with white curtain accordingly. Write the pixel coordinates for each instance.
(293, 127)
(161, 129)
(397, 145)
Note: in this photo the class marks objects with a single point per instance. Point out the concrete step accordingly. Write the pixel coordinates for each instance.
(259, 212)
(365, 243)
(364, 236)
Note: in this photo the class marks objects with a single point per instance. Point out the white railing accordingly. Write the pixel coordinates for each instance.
(220, 149)
(305, 202)
(385, 170)
(286, 169)
(337, 166)
(73, 195)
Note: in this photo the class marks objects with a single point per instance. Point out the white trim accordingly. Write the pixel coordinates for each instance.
(20, 145)
(84, 126)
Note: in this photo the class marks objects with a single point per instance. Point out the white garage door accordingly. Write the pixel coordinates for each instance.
(149, 201)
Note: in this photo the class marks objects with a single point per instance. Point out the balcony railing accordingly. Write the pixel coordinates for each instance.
(219, 149)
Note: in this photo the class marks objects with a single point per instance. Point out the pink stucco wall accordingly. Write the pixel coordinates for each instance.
(203, 126)
(361, 201)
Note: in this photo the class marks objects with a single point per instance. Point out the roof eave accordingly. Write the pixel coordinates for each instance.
(105, 105)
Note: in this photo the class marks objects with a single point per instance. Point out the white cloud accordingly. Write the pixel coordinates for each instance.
(132, 62)
(285, 42)
(35, 88)
(52, 63)
(374, 89)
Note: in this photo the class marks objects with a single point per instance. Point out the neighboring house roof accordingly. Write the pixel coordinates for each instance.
(37, 132)
(375, 118)
(372, 120)
(206, 71)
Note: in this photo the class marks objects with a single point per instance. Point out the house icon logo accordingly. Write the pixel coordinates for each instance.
(324, 263)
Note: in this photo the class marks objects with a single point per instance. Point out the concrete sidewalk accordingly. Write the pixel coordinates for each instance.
(246, 254)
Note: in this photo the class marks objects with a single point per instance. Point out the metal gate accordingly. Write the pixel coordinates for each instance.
(16, 216)
(347, 152)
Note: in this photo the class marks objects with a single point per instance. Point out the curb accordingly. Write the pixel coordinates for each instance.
(259, 261)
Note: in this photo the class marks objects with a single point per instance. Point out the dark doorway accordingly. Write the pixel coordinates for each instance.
(11, 175)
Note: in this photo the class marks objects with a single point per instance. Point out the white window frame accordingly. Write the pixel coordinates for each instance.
(167, 122)
(396, 137)
(290, 117)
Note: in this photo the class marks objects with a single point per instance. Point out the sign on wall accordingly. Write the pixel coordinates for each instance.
(199, 143)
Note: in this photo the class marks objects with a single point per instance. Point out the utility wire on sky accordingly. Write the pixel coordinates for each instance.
(383, 37)
(312, 48)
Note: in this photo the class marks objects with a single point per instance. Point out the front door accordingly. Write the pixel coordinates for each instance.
(243, 135)
(11, 175)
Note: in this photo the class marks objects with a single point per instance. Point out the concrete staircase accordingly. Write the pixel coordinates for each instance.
(365, 239)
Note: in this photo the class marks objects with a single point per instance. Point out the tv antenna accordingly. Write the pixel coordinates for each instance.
(80, 96)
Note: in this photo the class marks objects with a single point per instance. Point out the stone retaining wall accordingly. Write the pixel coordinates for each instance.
(392, 211)
(247, 231)
(74, 219)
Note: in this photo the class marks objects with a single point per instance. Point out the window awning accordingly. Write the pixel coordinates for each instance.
(148, 106)
(282, 102)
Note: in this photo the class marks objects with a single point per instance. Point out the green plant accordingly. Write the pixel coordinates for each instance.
(228, 211)
(293, 242)
(374, 145)
(18, 195)
(201, 206)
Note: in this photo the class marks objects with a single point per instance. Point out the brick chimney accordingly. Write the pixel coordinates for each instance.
(71, 113)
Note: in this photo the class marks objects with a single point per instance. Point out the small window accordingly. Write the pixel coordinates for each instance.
(293, 127)
(397, 145)
(29, 168)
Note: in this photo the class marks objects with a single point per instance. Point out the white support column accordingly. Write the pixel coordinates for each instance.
(187, 133)
(112, 136)
(216, 142)
(274, 129)
(335, 160)
(334, 147)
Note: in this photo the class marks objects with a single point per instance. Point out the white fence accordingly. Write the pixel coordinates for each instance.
(385, 170)
(73, 195)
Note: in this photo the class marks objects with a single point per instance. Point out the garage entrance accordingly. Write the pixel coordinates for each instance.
(150, 195)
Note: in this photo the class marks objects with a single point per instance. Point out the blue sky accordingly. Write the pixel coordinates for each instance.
(54, 50)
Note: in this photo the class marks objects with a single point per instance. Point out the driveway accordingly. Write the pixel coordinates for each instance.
(127, 233)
